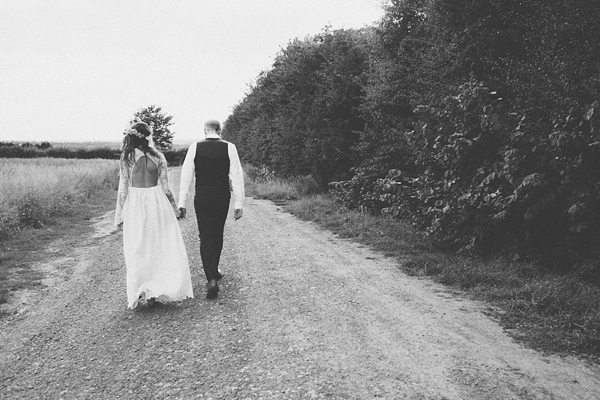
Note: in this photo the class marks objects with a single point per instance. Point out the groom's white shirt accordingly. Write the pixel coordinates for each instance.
(236, 174)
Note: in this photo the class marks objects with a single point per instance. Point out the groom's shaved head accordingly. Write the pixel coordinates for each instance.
(213, 125)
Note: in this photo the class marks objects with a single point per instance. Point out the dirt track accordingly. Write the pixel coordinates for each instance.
(301, 315)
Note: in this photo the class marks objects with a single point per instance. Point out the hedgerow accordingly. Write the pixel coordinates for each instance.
(475, 120)
(22, 150)
(479, 181)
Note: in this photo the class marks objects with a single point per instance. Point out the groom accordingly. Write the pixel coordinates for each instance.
(215, 163)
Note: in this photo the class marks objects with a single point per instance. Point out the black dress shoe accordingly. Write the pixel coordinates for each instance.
(220, 275)
(212, 288)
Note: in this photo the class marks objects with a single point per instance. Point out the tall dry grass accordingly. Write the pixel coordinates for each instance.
(33, 191)
(263, 184)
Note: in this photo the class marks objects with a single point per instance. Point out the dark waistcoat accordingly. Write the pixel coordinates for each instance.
(212, 164)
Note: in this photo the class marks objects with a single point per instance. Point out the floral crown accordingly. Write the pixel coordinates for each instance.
(134, 132)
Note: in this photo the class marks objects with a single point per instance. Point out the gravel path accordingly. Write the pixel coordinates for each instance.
(301, 315)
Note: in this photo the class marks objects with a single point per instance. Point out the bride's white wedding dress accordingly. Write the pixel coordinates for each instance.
(155, 255)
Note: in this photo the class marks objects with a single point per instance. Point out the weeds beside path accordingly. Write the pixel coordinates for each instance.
(34, 260)
(549, 312)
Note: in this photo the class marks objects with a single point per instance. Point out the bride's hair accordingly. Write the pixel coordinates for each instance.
(137, 136)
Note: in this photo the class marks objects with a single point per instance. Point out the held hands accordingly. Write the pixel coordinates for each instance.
(238, 213)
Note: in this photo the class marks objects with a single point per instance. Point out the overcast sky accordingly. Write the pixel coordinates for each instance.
(77, 70)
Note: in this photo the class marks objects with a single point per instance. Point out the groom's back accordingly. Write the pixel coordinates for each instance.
(212, 163)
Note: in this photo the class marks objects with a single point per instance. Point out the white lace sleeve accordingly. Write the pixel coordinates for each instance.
(163, 176)
(124, 177)
(163, 179)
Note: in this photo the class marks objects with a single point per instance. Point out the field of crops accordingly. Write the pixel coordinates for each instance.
(36, 190)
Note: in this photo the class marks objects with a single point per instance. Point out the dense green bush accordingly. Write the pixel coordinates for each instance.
(486, 184)
(302, 117)
(474, 119)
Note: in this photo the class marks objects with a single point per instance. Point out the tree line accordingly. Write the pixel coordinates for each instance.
(16, 150)
(476, 120)
(153, 115)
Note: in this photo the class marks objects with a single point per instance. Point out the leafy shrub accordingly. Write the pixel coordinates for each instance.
(302, 116)
(509, 165)
(484, 183)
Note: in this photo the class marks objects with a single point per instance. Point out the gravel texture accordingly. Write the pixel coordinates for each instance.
(301, 315)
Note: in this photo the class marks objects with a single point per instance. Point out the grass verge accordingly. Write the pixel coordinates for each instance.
(20, 253)
(37, 191)
(44, 200)
(546, 311)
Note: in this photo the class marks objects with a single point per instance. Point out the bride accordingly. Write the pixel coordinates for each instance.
(155, 255)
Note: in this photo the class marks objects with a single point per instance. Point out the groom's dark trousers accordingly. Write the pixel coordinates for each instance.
(211, 201)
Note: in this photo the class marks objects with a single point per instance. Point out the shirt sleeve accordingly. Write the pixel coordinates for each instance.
(124, 177)
(236, 175)
(187, 175)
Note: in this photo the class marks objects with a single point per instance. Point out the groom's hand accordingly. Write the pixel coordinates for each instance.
(181, 213)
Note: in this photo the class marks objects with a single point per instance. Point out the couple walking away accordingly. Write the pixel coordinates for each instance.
(155, 255)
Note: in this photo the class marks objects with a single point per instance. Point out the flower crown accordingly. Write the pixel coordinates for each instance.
(134, 132)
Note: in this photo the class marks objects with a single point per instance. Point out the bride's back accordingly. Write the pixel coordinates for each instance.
(144, 173)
